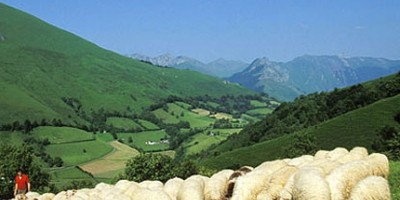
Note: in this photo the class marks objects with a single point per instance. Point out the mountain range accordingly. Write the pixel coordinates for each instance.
(220, 68)
(307, 74)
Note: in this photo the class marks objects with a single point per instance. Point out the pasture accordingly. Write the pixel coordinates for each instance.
(79, 152)
(123, 123)
(59, 135)
(139, 140)
(111, 164)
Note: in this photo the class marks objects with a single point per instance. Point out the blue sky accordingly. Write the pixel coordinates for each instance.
(231, 29)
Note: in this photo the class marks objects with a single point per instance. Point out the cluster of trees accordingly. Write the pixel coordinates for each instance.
(28, 126)
(303, 144)
(157, 167)
(388, 140)
(306, 111)
(13, 158)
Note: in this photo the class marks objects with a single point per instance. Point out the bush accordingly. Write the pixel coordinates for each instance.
(157, 167)
(303, 144)
(388, 142)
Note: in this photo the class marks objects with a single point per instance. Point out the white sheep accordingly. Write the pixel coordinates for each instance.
(310, 185)
(357, 153)
(371, 188)
(217, 185)
(342, 180)
(379, 164)
(192, 189)
(32, 195)
(302, 160)
(321, 154)
(232, 179)
(337, 153)
(276, 183)
(171, 187)
(46, 196)
(151, 184)
(247, 187)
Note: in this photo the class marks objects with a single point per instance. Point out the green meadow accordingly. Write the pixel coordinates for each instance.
(139, 140)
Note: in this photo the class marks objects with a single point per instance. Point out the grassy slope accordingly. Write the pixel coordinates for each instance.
(123, 123)
(356, 128)
(40, 63)
(394, 179)
(140, 139)
(58, 135)
(202, 141)
(194, 119)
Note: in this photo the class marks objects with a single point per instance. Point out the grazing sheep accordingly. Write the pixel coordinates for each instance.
(337, 153)
(360, 150)
(171, 187)
(286, 192)
(326, 165)
(379, 164)
(357, 153)
(321, 154)
(249, 186)
(342, 180)
(371, 188)
(302, 160)
(216, 187)
(232, 179)
(310, 185)
(46, 196)
(151, 184)
(32, 195)
(277, 182)
(131, 189)
(192, 189)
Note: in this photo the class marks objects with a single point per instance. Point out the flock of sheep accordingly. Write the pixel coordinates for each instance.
(328, 175)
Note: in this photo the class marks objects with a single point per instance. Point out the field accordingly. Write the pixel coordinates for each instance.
(58, 135)
(256, 103)
(140, 139)
(113, 163)
(394, 179)
(15, 137)
(63, 176)
(123, 123)
(205, 139)
(176, 113)
(79, 152)
(260, 111)
(148, 125)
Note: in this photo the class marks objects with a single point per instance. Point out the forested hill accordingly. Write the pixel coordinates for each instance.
(306, 111)
(47, 73)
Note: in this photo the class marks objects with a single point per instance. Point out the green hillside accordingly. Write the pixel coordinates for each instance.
(356, 128)
(311, 110)
(48, 73)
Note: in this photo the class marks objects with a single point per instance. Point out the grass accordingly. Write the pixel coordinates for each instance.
(148, 125)
(202, 141)
(63, 176)
(140, 139)
(260, 111)
(123, 123)
(222, 116)
(40, 64)
(174, 116)
(113, 163)
(394, 179)
(58, 135)
(201, 112)
(15, 137)
(79, 152)
(256, 103)
(356, 128)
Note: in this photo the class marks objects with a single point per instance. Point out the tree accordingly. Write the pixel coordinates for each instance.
(303, 143)
(388, 142)
(149, 167)
(397, 117)
(19, 157)
(158, 167)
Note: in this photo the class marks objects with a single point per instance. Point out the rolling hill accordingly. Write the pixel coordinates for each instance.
(48, 73)
(357, 110)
